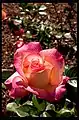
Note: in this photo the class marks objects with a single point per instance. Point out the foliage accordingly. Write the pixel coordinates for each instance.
(72, 73)
(35, 109)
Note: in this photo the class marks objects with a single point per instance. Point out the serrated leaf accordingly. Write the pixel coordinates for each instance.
(11, 106)
(17, 101)
(15, 108)
(35, 102)
(73, 110)
(64, 113)
(66, 70)
(21, 110)
(21, 113)
(41, 106)
(28, 103)
(71, 72)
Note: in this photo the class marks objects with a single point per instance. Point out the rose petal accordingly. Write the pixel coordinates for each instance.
(51, 96)
(34, 61)
(43, 94)
(60, 91)
(55, 58)
(39, 79)
(64, 81)
(32, 46)
(23, 51)
(39, 92)
(18, 59)
(18, 81)
(8, 82)
(30, 89)
(18, 92)
(16, 86)
(51, 55)
(55, 76)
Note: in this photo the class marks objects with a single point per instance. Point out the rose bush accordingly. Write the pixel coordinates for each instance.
(37, 71)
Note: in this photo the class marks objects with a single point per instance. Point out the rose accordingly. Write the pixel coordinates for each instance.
(39, 72)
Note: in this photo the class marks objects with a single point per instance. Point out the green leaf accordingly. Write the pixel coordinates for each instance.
(18, 110)
(17, 101)
(64, 113)
(41, 106)
(71, 72)
(74, 111)
(28, 103)
(22, 110)
(66, 70)
(11, 106)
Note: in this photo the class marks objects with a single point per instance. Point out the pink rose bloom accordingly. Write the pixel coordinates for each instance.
(37, 71)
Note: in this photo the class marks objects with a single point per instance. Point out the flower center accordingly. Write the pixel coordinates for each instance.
(36, 65)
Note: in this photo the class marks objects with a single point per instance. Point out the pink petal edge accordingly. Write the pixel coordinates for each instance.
(54, 55)
(19, 54)
(8, 82)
